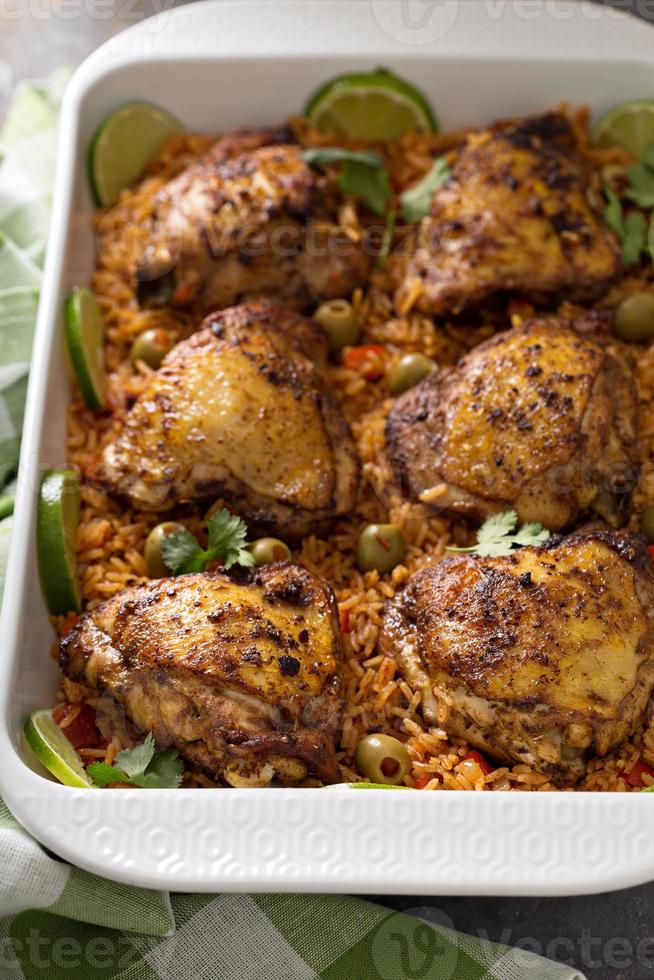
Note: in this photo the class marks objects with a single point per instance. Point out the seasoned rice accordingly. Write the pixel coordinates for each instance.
(111, 536)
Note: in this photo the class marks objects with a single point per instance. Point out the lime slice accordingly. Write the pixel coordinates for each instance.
(373, 105)
(53, 750)
(57, 518)
(629, 126)
(85, 338)
(124, 144)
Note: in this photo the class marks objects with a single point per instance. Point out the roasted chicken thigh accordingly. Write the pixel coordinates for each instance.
(544, 656)
(539, 419)
(247, 220)
(240, 411)
(243, 677)
(517, 214)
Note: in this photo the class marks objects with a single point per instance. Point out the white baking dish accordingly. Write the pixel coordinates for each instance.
(218, 65)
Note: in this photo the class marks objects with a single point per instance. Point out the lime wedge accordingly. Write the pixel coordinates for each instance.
(124, 144)
(629, 126)
(373, 105)
(53, 750)
(85, 338)
(57, 518)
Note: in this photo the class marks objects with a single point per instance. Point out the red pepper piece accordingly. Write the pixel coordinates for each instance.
(477, 757)
(82, 730)
(364, 360)
(635, 777)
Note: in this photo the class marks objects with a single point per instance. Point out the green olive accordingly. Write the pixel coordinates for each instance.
(382, 759)
(408, 371)
(381, 547)
(156, 566)
(150, 346)
(267, 550)
(647, 524)
(339, 321)
(634, 317)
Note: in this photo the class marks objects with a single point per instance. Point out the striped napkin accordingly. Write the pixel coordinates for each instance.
(62, 923)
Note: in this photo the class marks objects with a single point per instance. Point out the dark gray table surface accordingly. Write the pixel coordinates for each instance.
(608, 937)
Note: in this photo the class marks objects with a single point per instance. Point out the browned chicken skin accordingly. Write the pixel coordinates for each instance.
(240, 411)
(243, 677)
(544, 656)
(539, 419)
(517, 214)
(247, 221)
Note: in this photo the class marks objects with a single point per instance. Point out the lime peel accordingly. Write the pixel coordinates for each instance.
(376, 105)
(54, 751)
(85, 340)
(629, 125)
(56, 532)
(124, 144)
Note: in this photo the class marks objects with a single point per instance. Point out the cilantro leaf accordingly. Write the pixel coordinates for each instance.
(362, 174)
(498, 535)
(416, 200)
(103, 774)
(648, 156)
(370, 183)
(181, 552)
(532, 534)
(613, 211)
(634, 237)
(227, 537)
(135, 761)
(227, 534)
(164, 772)
(323, 156)
(631, 230)
(140, 766)
(650, 238)
(493, 537)
(641, 189)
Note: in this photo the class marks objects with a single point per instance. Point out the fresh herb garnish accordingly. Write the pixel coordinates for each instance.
(635, 231)
(323, 156)
(227, 534)
(416, 200)
(635, 235)
(140, 766)
(641, 179)
(498, 535)
(387, 240)
(362, 174)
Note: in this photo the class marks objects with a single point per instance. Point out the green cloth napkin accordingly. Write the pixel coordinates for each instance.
(65, 924)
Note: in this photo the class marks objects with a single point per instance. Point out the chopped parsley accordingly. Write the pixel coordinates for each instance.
(140, 766)
(183, 553)
(499, 535)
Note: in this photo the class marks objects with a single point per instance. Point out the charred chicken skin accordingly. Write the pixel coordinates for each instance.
(240, 411)
(247, 221)
(539, 419)
(517, 214)
(545, 656)
(242, 676)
